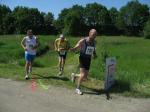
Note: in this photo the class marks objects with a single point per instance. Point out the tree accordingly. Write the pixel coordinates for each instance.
(48, 26)
(59, 23)
(97, 16)
(113, 30)
(28, 19)
(147, 29)
(132, 18)
(74, 21)
(8, 24)
(71, 23)
(4, 10)
(36, 20)
(113, 12)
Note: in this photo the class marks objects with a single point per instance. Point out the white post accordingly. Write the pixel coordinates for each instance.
(110, 72)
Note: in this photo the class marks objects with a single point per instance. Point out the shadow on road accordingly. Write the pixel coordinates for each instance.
(118, 87)
(37, 76)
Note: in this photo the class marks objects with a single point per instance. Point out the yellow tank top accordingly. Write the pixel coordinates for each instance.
(61, 44)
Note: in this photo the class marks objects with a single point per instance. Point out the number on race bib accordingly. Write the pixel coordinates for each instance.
(62, 52)
(30, 46)
(89, 50)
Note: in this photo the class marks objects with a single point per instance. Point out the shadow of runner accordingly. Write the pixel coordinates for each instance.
(37, 76)
(92, 91)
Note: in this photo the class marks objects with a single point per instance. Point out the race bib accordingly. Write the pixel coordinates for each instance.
(62, 52)
(31, 46)
(89, 50)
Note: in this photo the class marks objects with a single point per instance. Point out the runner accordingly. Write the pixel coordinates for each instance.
(61, 46)
(30, 45)
(87, 49)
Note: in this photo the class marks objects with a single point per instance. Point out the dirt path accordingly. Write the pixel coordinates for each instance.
(24, 97)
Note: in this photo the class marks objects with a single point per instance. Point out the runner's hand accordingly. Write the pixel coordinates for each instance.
(72, 49)
(25, 49)
(61, 49)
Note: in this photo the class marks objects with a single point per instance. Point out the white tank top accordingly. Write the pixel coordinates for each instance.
(30, 43)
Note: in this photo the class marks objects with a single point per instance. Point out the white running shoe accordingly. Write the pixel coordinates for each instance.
(78, 91)
(26, 77)
(73, 77)
(60, 73)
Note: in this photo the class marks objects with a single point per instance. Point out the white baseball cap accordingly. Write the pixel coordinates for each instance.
(61, 36)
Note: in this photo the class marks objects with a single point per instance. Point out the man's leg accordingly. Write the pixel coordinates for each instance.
(28, 59)
(83, 75)
(32, 57)
(27, 69)
(59, 63)
(30, 67)
(62, 64)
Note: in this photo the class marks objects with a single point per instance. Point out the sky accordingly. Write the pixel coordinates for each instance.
(55, 6)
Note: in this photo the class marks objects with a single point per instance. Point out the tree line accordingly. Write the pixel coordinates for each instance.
(133, 19)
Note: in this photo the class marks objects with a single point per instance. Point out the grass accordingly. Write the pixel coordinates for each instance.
(132, 75)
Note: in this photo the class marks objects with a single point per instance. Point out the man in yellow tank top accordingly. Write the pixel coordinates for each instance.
(61, 46)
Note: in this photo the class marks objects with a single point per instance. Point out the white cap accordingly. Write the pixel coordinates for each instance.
(61, 36)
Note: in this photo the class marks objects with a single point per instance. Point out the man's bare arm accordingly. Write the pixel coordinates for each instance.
(78, 45)
(23, 44)
(37, 43)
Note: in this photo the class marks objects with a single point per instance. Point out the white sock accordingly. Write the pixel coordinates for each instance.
(30, 69)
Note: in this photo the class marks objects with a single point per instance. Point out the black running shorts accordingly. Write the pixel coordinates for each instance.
(84, 62)
(62, 55)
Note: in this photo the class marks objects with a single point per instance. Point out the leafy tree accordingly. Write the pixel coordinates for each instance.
(48, 26)
(132, 18)
(71, 23)
(28, 19)
(8, 24)
(147, 29)
(113, 30)
(60, 22)
(4, 10)
(74, 21)
(97, 16)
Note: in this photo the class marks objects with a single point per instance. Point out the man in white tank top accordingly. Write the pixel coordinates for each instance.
(30, 45)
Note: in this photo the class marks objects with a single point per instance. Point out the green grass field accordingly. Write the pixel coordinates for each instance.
(132, 54)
